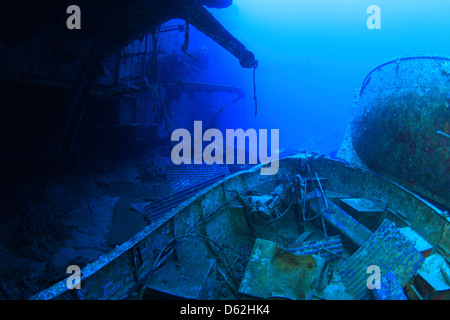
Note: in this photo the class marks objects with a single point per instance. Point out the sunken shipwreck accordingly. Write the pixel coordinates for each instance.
(223, 150)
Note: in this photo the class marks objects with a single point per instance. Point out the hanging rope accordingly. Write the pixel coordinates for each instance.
(254, 89)
(155, 36)
(185, 46)
(213, 118)
(157, 86)
(83, 183)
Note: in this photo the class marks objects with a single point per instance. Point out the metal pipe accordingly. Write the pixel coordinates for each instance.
(198, 16)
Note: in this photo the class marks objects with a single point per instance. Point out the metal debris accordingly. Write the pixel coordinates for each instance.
(390, 288)
(344, 224)
(156, 209)
(328, 248)
(386, 248)
(325, 278)
(363, 210)
(267, 207)
(164, 169)
(433, 280)
(420, 243)
(275, 273)
(196, 281)
(195, 173)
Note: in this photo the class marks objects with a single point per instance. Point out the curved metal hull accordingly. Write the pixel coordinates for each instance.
(400, 124)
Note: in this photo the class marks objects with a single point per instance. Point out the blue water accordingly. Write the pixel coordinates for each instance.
(313, 56)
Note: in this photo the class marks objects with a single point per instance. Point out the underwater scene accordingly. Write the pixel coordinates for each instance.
(224, 150)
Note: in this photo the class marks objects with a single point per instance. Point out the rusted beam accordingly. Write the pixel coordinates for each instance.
(195, 14)
(205, 87)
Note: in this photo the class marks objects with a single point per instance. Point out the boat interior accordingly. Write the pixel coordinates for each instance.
(315, 230)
